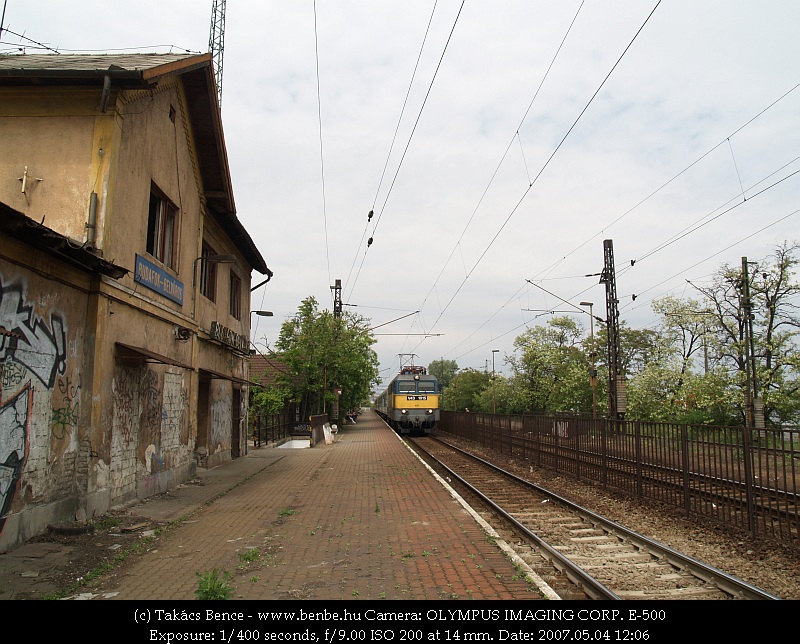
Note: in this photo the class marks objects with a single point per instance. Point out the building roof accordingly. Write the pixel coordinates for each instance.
(144, 71)
(266, 369)
(17, 225)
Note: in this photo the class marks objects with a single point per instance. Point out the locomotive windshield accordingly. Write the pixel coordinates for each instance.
(415, 386)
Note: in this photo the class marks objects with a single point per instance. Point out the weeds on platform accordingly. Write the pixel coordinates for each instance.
(108, 566)
(214, 584)
(248, 556)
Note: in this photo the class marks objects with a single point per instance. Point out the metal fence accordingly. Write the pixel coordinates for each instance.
(271, 428)
(733, 475)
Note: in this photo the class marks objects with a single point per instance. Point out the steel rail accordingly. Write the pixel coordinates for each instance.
(727, 583)
(573, 572)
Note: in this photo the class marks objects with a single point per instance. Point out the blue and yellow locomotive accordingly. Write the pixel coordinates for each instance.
(410, 404)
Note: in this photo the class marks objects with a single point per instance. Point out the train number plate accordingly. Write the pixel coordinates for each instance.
(416, 398)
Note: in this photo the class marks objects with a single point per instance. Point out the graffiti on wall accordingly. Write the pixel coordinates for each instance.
(125, 387)
(176, 402)
(124, 429)
(65, 417)
(39, 348)
(33, 350)
(14, 415)
(149, 418)
(151, 407)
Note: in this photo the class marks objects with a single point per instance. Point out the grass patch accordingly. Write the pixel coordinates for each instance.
(214, 584)
(249, 556)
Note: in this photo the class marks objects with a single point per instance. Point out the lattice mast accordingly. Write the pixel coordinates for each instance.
(337, 299)
(616, 398)
(216, 42)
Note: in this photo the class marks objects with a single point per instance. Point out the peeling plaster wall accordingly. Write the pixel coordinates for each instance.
(220, 421)
(150, 452)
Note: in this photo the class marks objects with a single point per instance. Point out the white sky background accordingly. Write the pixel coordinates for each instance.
(467, 210)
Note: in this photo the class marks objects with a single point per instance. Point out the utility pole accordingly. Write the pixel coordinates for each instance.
(754, 419)
(337, 299)
(750, 395)
(616, 402)
(494, 385)
(593, 370)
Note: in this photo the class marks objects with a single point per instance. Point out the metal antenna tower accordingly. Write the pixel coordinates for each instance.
(216, 42)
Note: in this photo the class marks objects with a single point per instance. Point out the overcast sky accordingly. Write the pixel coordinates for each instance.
(499, 143)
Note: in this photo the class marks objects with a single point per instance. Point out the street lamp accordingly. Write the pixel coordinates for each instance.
(593, 371)
(494, 385)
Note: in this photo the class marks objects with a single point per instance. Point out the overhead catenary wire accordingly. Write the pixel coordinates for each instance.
(548, 160)
(705, 259)
(391, 146)
(321, 152)
(672, 179)
(410, 137)
(504, 155)
(697, 225)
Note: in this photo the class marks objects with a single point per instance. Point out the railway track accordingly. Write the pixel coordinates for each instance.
(580, 553)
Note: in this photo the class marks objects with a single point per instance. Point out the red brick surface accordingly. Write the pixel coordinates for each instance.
(361, 518)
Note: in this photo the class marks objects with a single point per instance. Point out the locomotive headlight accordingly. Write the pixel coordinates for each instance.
(430, 411)
(404, 411)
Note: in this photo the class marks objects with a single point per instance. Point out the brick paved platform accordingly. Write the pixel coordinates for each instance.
(361, 518)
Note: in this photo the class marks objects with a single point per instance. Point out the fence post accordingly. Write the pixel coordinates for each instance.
(747, 447)
(604, 452)
(687, 497)
(637, 438)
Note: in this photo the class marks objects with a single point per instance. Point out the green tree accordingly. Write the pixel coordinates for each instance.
(771, 311)
(268, 400)
(465, 390)
(663, 391)
(500, 397)
(550, 368)
(322, 353)
(681, 380)
(444, 370)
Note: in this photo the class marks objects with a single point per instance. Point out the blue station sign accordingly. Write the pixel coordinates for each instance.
(158, 280)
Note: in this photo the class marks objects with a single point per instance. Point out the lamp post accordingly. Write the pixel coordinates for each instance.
(494, 385)
(264, 314)
(593, 370)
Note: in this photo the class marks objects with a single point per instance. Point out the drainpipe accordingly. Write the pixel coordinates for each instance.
(106, 93)
(92, 225)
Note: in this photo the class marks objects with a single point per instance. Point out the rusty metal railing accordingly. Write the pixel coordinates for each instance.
(265, 429)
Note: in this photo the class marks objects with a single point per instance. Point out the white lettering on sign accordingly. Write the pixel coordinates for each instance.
(228, 336)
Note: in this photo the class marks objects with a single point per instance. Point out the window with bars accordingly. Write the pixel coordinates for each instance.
(208, 274)
(236, 296)
(162, 228)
